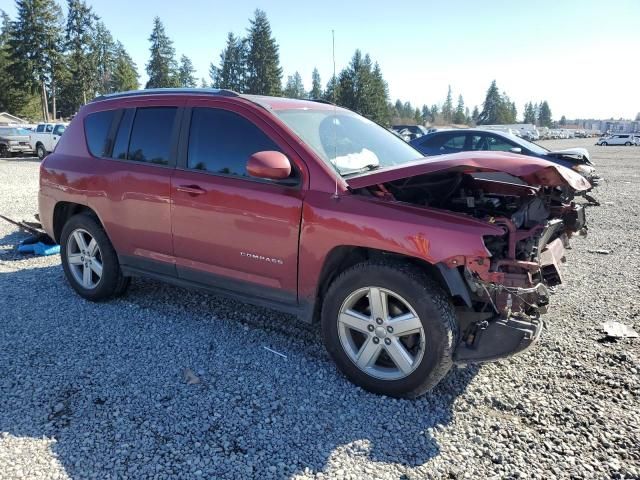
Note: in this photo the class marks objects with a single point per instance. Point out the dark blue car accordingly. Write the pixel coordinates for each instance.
(452, 141)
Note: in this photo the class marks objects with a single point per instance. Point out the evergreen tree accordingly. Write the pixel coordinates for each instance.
(426, 114)
(162, 68)
(232, 70)
(417, 116)
(203, 83)
(407, 110)
(125, 73)
(544, 117)
(459, 117)
(379, 95)
(332, 91)
(447, 107)
(467, 116)
(186, 73)
(81, 24)
(529, 113)
(497, 108)
(475, 115)
(13, 97)
(33, 41)
(294, 87)
(264, 74)
(362, 89)
(316, 85)
(435, 113)
(563, 120)
(104, 53)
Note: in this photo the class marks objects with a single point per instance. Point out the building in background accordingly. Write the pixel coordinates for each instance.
(6, 119)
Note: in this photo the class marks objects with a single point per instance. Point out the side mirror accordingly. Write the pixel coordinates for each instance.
(516, 150)
(269, 165)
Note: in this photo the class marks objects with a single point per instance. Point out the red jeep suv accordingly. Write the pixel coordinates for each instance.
(410, 264)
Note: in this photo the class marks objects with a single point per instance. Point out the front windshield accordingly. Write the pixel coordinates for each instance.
(346, 141)
(533, 147)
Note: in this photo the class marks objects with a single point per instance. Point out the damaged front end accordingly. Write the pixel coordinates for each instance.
(504, 291)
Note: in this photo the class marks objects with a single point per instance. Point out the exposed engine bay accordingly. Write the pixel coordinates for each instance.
(524, 262)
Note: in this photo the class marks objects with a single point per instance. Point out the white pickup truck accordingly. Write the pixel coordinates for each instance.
(45, 138)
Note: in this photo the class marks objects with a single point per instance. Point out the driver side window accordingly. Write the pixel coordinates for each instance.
(221, 142)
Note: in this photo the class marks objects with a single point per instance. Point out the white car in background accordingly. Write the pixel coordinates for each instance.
(618, 139)
(45, 138)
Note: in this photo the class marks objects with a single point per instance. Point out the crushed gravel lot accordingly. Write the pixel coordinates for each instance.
(98, 390)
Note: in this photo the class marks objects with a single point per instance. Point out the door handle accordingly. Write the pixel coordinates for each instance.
(191, 189)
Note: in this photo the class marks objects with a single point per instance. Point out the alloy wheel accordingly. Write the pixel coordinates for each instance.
(381, 333)
(84, 259)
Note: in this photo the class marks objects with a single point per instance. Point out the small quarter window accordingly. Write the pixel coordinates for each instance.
(96, 129)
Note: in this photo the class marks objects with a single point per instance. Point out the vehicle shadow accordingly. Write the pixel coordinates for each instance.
(106, 382)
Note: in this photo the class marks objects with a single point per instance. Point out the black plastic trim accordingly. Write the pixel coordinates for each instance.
(168, 91)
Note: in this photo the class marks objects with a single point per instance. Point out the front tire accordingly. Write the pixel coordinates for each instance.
(627, 144)
(89, 260)
(604, 144)
(390, 328)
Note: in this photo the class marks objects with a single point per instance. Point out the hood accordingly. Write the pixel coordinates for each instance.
(572, 153)
(531, 170)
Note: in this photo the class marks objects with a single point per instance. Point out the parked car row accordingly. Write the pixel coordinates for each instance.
(410, 264)
(21, 141)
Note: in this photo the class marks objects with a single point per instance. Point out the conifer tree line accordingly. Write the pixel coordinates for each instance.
(497, 109)
(51, 65)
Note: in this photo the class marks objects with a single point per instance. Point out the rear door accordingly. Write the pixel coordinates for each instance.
(230, 230)
(132, 181)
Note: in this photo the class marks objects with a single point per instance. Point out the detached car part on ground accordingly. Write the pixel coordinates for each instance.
(410, 264)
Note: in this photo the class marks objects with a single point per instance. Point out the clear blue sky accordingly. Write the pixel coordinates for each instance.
(583, 56)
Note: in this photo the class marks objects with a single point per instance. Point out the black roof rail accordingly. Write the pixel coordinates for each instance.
(321, 100)
(168, 91)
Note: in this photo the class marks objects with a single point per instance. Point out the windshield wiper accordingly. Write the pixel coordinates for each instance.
(366, 168)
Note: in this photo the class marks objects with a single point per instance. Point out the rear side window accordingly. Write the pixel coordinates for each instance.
(221, 141)
(96, 129)
(152, 135)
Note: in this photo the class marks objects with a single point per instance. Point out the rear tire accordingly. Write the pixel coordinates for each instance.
(4, 151)
(89, 260)
(627, 144)
(604, 144)
(399, 364)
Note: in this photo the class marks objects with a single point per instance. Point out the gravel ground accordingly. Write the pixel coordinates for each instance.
(99, 391)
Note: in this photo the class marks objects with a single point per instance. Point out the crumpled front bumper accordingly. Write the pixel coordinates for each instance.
(499, 339)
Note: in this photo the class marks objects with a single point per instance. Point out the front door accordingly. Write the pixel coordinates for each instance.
(230, 230)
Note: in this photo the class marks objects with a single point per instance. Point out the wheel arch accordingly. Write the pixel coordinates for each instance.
(63, 211)
(343, 257)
